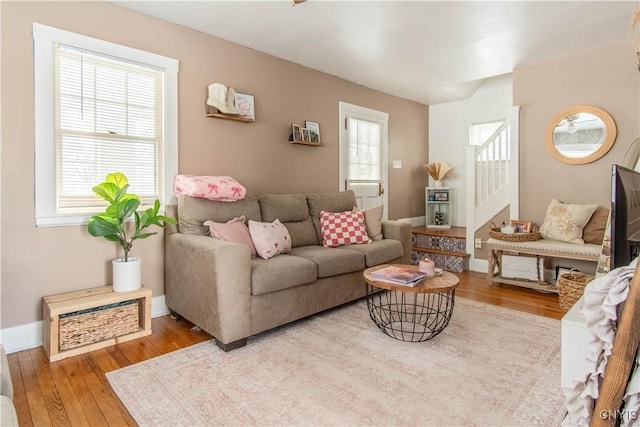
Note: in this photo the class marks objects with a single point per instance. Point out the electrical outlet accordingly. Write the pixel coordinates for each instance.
(478, 243)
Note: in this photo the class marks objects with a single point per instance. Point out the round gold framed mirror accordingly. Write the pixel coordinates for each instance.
(581, 134)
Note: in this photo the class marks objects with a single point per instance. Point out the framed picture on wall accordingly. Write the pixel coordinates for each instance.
(296, 131)
(244, 104)
(314, 129)
(306, 135)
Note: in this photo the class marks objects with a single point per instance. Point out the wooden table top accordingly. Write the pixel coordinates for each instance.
(447, 282)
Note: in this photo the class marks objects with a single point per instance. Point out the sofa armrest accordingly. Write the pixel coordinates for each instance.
(208, 282)
(401, 231)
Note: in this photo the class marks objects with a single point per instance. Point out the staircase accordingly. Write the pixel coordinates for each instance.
(446, 247)
(492, 178)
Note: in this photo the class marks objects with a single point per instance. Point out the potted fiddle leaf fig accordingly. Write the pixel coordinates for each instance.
(112, 224)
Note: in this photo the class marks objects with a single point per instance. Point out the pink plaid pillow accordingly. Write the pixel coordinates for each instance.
(343, 228)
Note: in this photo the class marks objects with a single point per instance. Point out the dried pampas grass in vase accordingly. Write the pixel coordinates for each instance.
(437, 171)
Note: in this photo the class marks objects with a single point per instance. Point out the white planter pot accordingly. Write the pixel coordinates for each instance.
(127, 276)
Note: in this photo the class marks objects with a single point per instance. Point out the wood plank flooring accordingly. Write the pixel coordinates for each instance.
(75, 391)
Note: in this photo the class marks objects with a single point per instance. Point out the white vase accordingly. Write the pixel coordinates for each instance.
(127, 276)
(437, 183)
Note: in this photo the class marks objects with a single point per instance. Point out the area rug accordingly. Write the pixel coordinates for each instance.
(490, 367)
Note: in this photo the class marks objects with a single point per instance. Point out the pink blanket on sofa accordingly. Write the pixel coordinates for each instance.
(222, 188)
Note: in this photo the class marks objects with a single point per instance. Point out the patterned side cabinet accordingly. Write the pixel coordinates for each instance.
(445, 247)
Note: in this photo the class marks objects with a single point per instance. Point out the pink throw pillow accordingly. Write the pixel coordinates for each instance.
(343, 228)
(234, 230)
(270, 238)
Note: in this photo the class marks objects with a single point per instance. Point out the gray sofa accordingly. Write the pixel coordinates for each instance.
(8, 416)
(216, 284)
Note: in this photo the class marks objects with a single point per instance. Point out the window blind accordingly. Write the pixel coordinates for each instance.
(109, 117)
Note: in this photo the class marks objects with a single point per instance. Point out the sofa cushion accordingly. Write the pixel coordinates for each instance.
(232, 231)
(292, 210)
(329, 202)
(270, 238)
(193, 212)
(380, 252)
(343, 228)
(373, 221)
(281, 272)
(331, 261)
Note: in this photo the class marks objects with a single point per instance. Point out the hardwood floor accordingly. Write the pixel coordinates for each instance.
(75, 391)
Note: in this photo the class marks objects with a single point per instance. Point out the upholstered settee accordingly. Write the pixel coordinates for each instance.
(220, 287)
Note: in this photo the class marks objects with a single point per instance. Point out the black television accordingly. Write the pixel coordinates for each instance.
(625, 216)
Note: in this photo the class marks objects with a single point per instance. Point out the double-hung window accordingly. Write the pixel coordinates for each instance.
(100, 108)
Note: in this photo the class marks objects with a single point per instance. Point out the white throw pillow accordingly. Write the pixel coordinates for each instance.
(270, 238)
(565, 222)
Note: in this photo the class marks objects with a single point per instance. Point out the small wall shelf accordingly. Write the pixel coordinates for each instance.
(438, 207)
(243, 119)
(313, 144)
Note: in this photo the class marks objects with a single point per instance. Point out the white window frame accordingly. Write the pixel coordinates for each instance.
(45, 38)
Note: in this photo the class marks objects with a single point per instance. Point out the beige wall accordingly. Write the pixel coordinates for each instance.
(42, 261)
(606, 78)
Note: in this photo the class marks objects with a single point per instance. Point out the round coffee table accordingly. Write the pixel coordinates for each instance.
(413, 314)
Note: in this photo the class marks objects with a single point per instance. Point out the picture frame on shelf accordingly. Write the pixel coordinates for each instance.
(314, 129)
(296, 131)
(521, 226)
(306, 135)
(441, 196)
(245, 104)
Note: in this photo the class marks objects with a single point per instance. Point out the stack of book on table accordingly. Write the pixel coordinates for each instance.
(398, 275)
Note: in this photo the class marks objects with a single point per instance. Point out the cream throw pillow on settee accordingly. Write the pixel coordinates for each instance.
(565, 222)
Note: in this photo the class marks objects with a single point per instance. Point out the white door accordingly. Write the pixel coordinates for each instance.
(363, 154)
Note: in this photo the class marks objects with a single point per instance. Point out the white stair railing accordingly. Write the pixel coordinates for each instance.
(493, 159)
(492, 177)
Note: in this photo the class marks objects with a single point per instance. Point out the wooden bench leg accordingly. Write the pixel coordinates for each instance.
(494, 262)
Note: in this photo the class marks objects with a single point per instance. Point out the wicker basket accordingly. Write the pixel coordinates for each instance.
(98, 324)
(514, 237)
(571, 287)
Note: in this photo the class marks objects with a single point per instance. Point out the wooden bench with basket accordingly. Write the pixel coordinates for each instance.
(532, 244)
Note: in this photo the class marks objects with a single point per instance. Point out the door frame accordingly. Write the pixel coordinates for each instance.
(363, 113)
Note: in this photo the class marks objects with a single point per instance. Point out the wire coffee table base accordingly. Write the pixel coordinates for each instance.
(408, 316)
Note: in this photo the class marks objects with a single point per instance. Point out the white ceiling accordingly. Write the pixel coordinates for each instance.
(427, 51)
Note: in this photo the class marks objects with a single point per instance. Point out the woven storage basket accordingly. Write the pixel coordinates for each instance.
(514, 237)
(571, 287)
(98, 324)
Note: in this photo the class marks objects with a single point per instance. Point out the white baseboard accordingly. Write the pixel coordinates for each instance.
(158, 306)
(25, 337)
(480, 265)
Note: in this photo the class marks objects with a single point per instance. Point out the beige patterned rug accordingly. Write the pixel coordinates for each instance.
(490, 367)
